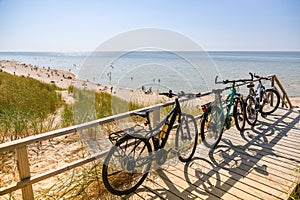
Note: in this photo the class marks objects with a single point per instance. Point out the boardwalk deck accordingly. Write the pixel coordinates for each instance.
(259, 163)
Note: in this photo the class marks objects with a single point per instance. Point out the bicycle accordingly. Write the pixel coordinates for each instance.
(218, 115)
(262, 100)
(128, 162)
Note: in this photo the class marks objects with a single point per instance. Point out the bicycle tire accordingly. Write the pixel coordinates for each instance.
(251, 111)
(266, 101)
(121, 175)
(212, 126)
(186, 138)
(239, 114)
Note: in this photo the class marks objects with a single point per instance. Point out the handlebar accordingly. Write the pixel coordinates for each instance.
(233, 81)
(170, 94)
(261, 77)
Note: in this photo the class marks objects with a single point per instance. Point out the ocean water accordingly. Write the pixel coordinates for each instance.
(163, 70)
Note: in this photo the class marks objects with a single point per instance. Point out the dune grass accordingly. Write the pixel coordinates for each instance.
(295, 195)
(24, 104)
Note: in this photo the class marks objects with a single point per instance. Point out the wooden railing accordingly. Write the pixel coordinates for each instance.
(21, 146)
(285, 101)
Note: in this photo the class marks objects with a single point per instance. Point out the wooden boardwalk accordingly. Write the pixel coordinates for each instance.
(260, 163)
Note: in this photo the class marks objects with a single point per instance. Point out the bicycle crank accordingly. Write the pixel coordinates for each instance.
(161, 156)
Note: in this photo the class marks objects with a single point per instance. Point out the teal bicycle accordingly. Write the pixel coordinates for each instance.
(218, 116)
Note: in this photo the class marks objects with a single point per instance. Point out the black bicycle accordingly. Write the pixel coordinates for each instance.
(219, 114)
(128, 162)
(260, 99)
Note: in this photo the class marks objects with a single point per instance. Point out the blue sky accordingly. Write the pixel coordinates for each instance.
(71, 25)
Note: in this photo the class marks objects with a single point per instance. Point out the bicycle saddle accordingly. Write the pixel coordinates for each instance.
(250, 85)
(143, 114)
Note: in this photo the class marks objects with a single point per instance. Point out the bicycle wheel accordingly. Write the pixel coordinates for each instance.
(251, 112)
(212, 126)
(267, 105)
(186, 137)
(127, 165)
(239, 114)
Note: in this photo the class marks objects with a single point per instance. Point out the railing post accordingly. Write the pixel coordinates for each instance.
(24, 171)
(156, 116)
(272, 86)
(284, 96)
(283, 100)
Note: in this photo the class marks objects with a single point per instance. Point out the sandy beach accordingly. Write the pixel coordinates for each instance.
(65, 79)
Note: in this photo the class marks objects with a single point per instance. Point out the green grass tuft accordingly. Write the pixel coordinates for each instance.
(25, 103)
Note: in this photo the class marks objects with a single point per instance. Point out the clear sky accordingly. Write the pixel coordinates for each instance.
(82, 25)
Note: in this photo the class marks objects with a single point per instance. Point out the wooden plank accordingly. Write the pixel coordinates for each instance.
(140, 193)
(190, 186)
(265, 149)
(242, 181)
(136, 195)
(264, 159)
(242, 191)
(236, 184)
(163, 188)
(260, 171)
(24, 171)
(205, 182)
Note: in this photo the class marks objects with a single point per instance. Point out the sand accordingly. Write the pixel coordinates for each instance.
(65, 79)
(61, 78)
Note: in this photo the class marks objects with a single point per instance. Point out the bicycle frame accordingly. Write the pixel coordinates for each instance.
(169, 120)
(263, 98)
(223, 103)
(258, 91)
(229, 98)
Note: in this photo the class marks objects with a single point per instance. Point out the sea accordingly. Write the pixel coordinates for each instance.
(161, 71)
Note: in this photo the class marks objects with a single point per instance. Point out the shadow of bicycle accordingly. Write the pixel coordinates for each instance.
(241, 166)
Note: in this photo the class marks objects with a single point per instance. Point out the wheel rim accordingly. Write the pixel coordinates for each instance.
(266, 106)
(126, 166)
(240, 115)
(251, 112)
(186, 138)
(212, 127)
